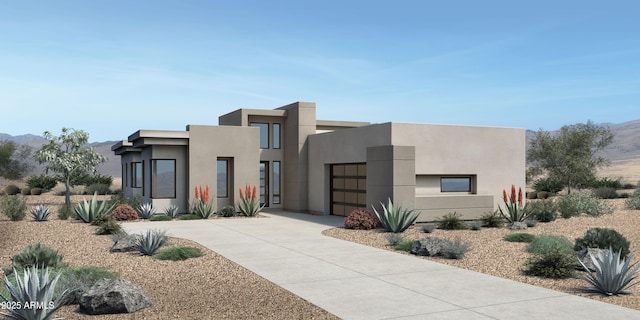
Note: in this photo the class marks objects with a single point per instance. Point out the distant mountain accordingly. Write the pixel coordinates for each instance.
(111, 167)
(626, 143)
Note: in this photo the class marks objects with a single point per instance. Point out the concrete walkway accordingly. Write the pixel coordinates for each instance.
(354, 281)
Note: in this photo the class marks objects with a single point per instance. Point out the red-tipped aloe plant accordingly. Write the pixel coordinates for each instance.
(515, 211)
(249, 204)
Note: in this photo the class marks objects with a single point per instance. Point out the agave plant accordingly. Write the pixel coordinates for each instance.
(395, 218)
(149, 242)
(89, 210)
(40, 213)
(613, 275)
(171, 211)
(146, 210)
(32, 295)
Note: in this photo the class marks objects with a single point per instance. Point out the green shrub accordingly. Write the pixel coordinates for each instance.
(428, 227)
(178, 253)
(40, 213)
(360, 219)
(42, 181)
(543, 210)
(227, 211)
(189, 217)
(519, 237)
(605, 183)
(65, 212)
(547, 243)
(603, 238)
(14, 207)
(120, 198)
(124, 212)
(492, 219)
(614, 274)
(11, 190)
(543, 195)
(628, 186)
(36, 255)
(633, 202)
(404, 245)
(160, 218)
(109, 226)
(36, 191)
(78, 280)
(451, 221)
(532, 195)
(455, 249)
(548, 185)
(555, 263)
(394, 238)
(34, 286)
(26, 191)
(98, 188)
(149, 242)
(605, 193)
(581, 202)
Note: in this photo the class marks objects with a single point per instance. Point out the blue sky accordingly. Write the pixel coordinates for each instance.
(113, 67)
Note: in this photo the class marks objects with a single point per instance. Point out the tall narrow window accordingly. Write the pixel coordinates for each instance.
(163, 179)
(124, 175)
(276, 136)
(264, 134)
(136, 174)
(223, 178)
(276, 182)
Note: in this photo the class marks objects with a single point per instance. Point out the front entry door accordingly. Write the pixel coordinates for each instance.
(264, 183)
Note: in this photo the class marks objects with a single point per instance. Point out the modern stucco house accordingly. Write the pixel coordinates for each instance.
(326, 167)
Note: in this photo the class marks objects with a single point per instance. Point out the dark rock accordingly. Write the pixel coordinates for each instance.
(585, 256)
(127, 243)
(428, 246)
(109, 296)
(517, 226)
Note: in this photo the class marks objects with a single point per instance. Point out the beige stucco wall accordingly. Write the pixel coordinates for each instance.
(208, 143)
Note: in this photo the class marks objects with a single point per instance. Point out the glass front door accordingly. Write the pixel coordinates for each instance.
(264, 183)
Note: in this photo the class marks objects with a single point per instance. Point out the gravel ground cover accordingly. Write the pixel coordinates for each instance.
(490, 254)
(207, 287)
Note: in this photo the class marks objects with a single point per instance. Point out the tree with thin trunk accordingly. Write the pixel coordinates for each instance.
(13, 160)
(570, 155)
(67, 155)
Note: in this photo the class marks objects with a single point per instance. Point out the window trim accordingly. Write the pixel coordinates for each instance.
(469, 185)
(154, 174)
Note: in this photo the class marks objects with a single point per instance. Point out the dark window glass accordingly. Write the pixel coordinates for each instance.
(264, 134)
(276, 136)
(163, 179)
(223, 178)
(136, 174)
(276, 182)
(458, 184)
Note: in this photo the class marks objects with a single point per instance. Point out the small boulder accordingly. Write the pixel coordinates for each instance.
(428, 246)
(128, 243)
(110, 296)
(517, 226)
(585, 257)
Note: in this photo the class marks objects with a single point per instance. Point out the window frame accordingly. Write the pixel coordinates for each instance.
(276, 196)
(135, 170)
(226, 178)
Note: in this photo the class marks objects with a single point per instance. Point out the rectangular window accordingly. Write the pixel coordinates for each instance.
(264, 134)
(276, 182)
(136, 174)
(124, 175)
(223, 178)
(455, 184)
(163, 179)
(276, 136)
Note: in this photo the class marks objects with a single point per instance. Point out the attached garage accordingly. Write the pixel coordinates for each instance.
(348, 187)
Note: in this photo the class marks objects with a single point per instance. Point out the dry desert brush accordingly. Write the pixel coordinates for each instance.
(361, 219)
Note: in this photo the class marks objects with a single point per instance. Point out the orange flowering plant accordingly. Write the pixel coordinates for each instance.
(515, 211)
(249, 204)
(202, 206)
